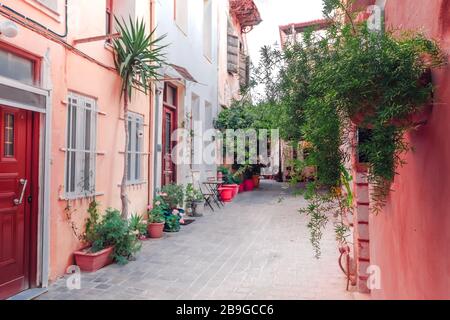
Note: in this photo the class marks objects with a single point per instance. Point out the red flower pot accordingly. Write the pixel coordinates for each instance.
(155, 230)
(255, 181)
(241, 188)
(91, 262)
(226, 194)
(248, 185)
(234, 187)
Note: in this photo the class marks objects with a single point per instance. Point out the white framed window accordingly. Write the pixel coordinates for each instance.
(135, 148)
(207, 28)
(181, 15)
(81, 146)
(51, 4)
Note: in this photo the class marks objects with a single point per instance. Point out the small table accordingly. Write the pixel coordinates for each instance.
(213, 187)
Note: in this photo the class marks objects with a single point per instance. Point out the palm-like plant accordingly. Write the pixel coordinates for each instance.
(138, 56)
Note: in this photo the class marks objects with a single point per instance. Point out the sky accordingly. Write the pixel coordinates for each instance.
(279, 12)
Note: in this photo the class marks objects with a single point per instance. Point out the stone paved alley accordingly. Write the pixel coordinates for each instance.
(255, 248)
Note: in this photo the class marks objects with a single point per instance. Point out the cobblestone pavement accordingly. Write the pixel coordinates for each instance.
(255, 248)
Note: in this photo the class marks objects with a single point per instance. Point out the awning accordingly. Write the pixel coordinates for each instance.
(184, 73)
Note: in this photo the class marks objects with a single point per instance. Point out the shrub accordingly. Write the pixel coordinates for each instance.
(113, 230)
(137, 225)
(173, 195)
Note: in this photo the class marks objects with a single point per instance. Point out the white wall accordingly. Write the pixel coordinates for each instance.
(186, 50)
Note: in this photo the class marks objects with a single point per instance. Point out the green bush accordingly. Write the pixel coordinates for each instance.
(156, 212)
(173, 195)
(115, 231)
(137, 225)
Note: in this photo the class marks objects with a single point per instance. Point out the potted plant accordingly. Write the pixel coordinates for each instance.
(156, 218)
(173, 196)
(226, 193)
(172, 219)
(111, 239)
(228, 180)
(194, 201)
(138, 226)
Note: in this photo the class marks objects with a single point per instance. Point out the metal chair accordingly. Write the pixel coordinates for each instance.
(207, 196)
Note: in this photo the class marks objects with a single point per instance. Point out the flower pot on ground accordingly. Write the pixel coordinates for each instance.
(226, 194)
(241, 188)
(234, 188)
(155, 230)
(194, 201)
(255, 179)
(156, 218)
(111, 238)
(172, 221)
(248, 185)
(197, 208)
(138, 226)
(92, 261)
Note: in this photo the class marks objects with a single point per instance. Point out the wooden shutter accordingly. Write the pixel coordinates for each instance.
(233, 53)
(244, 71)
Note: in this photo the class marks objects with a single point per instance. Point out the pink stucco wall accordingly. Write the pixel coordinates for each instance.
(410, 239)
(70, 72)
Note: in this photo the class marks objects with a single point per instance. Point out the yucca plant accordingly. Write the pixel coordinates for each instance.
(138, 57)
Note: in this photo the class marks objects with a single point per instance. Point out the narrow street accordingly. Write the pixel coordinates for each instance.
(255, 248)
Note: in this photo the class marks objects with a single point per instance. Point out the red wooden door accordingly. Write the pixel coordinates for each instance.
(15, 211)
(169, 126)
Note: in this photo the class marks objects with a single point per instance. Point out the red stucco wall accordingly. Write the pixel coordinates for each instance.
(410, 239)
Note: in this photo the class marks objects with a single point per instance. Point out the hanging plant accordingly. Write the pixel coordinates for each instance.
(379, 81)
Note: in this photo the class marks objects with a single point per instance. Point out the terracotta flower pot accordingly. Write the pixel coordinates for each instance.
(241, 188)
(226, 194)
(155, 230)
(255, 181)
(248, 185)
(90, 262)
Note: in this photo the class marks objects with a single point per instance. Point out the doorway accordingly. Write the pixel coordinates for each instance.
(169, 125)
(18, 212)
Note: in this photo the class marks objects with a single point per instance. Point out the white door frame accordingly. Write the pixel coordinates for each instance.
(43, 259)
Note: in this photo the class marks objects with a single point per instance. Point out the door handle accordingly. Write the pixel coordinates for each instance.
(19, 201)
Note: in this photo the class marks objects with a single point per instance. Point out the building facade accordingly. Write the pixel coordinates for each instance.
(410, 238)
(62, 132)
(188, 96)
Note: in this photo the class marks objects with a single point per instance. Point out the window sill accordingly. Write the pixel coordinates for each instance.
(80, 197)
(134, 184)
(55, 15)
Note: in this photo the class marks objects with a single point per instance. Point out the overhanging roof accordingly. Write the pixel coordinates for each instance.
(246, 12)
(184, 73)
(302, 26)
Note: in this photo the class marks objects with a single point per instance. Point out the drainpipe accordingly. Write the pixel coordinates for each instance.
(156, 140)
(152, 110)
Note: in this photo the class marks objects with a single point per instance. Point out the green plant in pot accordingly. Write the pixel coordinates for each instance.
(138, 226)
(156, 218)
(111, 239)
(194, 201)
(173, 196)
(172, 219)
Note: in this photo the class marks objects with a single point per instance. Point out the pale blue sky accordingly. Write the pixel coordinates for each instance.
(280, 12)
